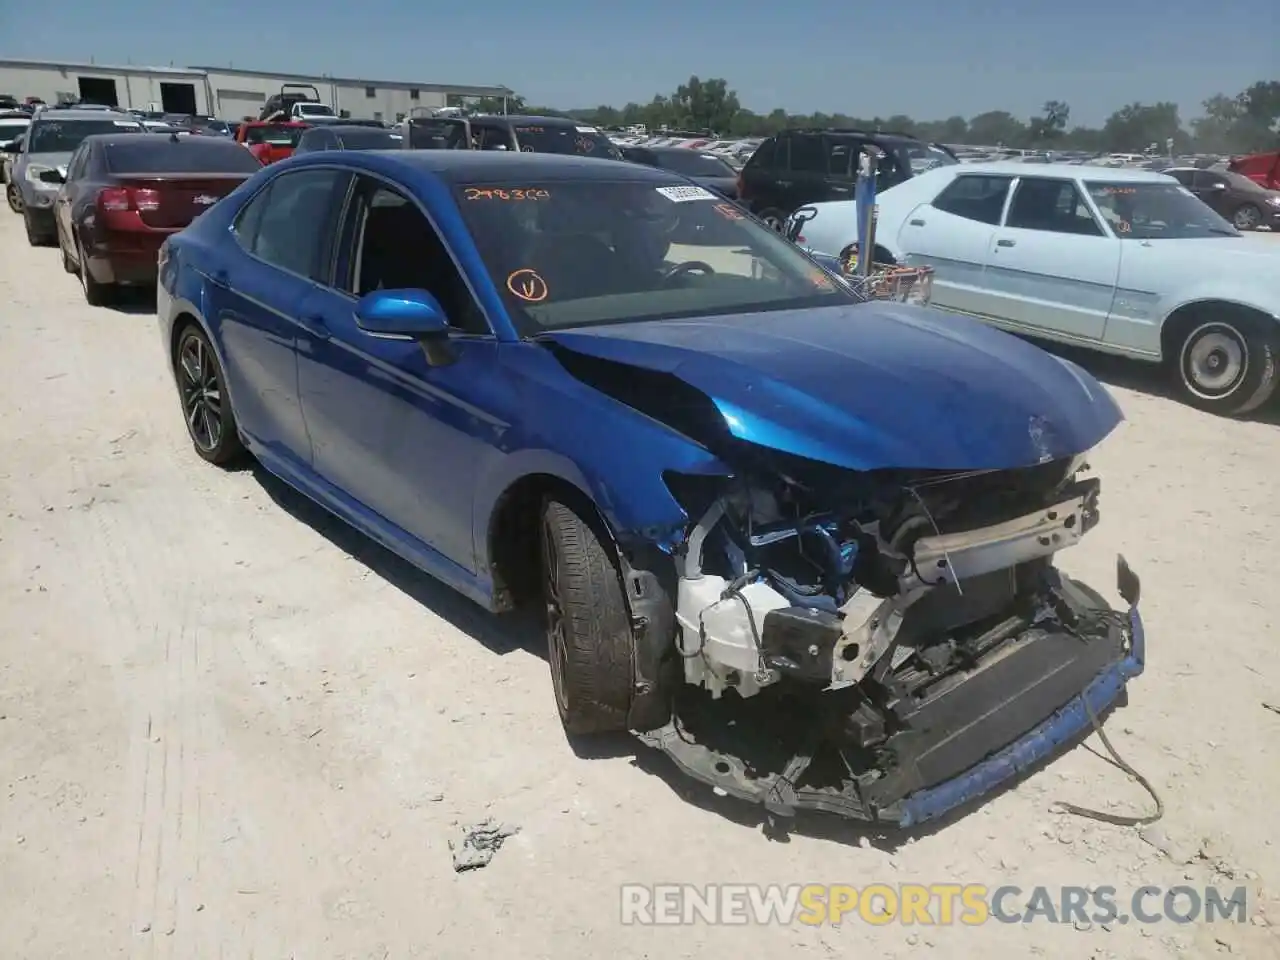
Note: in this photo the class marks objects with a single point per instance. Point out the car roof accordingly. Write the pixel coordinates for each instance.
(480, 166)
(60, 114)
(516, 118)
(349, 127)
(1066, 171)
(111, 139)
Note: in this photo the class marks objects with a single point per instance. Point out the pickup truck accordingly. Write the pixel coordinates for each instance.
(1262, 168)
(270, 141)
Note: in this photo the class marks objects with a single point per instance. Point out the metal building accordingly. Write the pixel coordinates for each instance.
(224, 92)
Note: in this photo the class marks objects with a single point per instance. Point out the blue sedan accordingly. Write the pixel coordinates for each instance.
(726, 484)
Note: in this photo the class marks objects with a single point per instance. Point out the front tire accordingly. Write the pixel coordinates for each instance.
(1246, 217)
(15, 199)
(589, 636)
(206, 408)
(1226, 363)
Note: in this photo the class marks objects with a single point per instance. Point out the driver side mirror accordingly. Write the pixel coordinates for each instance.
(13, 147)
(52, 176)
(414, 314)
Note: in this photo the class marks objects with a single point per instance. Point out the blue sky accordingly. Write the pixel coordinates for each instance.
(928, 58)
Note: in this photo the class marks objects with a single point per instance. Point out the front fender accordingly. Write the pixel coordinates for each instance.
(612, 453)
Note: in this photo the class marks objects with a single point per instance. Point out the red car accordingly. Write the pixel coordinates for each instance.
(270, 141)
(124, 194)
(1262, 168)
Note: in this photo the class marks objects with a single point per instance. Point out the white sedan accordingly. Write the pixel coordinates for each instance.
(1128, 262)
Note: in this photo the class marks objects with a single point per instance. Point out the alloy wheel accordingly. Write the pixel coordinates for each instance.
(201, 393)
(1247, 218)
(1214, 361)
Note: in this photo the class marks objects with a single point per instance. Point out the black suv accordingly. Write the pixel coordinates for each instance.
(796, 167)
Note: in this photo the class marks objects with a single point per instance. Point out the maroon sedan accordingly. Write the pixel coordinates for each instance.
(122, 195)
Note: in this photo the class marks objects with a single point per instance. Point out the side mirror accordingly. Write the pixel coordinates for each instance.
(14, 146)
(52, 176)
(407, 313)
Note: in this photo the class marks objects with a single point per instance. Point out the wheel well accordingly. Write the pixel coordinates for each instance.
(1177, 324)
(514, 549)
(180, 324)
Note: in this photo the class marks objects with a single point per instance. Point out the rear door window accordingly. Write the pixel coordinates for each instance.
(290, 224)
(808, 154)
(976, 198)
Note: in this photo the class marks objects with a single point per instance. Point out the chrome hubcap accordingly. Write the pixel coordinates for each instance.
(1214, 361)
(201, 393)
(1246, 218)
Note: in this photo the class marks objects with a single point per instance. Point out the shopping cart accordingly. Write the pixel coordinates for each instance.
(887, 281)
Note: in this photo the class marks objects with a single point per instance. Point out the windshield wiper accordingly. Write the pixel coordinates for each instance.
(1219, 232)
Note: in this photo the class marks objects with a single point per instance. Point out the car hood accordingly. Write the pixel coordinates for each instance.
(56, 160)
(871, 386)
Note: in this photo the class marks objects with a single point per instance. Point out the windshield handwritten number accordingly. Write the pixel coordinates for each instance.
(728, 211)
(528, 286)
(506, 193)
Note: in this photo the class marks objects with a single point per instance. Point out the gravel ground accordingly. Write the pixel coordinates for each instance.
(229, 727)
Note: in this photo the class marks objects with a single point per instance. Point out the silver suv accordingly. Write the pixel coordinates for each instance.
(52, 137)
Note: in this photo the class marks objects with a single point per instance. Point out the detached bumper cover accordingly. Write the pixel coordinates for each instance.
(726, 772)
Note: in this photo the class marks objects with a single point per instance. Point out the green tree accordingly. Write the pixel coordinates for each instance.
(1049, 127)
(996, 127)
(1135, 127)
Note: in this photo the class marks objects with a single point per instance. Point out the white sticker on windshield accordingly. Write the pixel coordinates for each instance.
(125, 123)
(685, 194)
(587, 130)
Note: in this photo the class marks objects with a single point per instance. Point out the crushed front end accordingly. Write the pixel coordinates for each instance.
(886, 645)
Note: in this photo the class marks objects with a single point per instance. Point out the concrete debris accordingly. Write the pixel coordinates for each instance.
(475, 845)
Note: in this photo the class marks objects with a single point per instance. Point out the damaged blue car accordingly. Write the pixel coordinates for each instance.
(802, 543)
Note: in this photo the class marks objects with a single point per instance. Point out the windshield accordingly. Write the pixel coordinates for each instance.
(925, 156)
(187, 155)
(437, 134)
(315, 110)
(691, 163)
(562, 138)
(369, 139)
(63, 136)
(11, 131)
(1156, 211)
(277, 135)
(568, 254)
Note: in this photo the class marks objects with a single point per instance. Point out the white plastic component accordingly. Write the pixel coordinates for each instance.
(729, 656)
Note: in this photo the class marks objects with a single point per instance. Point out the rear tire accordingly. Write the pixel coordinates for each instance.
(67, 263)
(206, 407)
(1225, 362)
(95, 294)
(589, 638)
(34, 236)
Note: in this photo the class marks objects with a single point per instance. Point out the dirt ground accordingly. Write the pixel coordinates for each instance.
(231, 728)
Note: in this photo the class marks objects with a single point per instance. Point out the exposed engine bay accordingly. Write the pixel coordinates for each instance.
(873, 636)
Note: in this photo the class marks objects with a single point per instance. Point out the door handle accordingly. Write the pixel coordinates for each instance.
(917, 223)
(314, 324)
(1006, 243)
(784, 183)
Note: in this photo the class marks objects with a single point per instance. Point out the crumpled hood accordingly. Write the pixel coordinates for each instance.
(875, 385)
